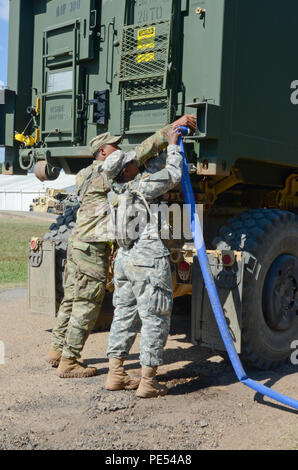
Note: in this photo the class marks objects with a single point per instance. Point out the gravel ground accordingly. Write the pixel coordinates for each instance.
(206, 407)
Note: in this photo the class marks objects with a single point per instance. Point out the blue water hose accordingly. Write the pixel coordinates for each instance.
(197, 233)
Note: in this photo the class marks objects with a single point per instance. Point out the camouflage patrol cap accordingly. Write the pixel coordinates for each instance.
(116, 161)
(103, 139)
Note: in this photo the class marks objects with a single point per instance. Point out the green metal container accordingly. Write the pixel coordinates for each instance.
(130, 67)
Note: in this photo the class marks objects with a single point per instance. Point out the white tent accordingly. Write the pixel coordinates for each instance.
(17, 192)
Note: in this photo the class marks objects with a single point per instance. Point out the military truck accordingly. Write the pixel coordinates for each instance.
(55, 201)
(78, 68)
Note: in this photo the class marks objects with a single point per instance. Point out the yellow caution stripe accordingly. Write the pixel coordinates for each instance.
(145, 57)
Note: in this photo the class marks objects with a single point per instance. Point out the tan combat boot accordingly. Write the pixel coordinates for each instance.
(118, 379)
(54, 357)
(74, 369)
(149, 387)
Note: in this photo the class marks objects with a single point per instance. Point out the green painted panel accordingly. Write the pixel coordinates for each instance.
(239, 57)
(58, 114)
(60, 12)
(151, 11)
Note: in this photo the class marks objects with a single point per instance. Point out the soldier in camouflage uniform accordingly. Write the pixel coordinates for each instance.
(86, 269)
(143, 296)
(88, 256)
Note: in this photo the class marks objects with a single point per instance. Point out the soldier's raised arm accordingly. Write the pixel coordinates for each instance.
(156, 143)
(154, 185)
(152, 146)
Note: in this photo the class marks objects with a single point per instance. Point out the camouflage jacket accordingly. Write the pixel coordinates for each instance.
(93, 215)
(92, 187)
(152, 146)
(147, 187)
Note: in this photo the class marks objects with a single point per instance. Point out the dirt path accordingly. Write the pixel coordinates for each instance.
(29, 215)
(205, 409)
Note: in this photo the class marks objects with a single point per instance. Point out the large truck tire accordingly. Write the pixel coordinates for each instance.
(60, 232)
(270, 286)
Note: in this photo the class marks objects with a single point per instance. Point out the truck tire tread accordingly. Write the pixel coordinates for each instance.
(252, 232)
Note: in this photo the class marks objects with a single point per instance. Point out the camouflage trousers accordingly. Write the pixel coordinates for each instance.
(84, 283)
(143, 301)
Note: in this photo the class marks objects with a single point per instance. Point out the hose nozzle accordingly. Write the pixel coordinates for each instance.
(184, 130)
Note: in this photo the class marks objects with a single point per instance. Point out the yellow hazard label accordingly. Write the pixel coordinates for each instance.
(145, 57)
(147, 32)
(146, 38)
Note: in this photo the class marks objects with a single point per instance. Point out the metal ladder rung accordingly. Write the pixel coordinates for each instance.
(54, 93)
(138, 77)
(146, 97)
(58, 54)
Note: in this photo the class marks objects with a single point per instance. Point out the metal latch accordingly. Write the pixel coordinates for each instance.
(100, 104)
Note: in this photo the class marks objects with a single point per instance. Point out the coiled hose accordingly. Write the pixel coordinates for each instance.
(197, 233)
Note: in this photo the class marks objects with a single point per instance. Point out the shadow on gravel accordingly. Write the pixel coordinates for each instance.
(273, 377)
(202, 370)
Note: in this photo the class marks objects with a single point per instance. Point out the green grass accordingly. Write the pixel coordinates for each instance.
(15, 233)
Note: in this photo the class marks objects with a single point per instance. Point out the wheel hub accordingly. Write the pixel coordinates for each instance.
(280, 293)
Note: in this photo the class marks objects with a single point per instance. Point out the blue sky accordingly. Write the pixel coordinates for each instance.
(4, 12)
